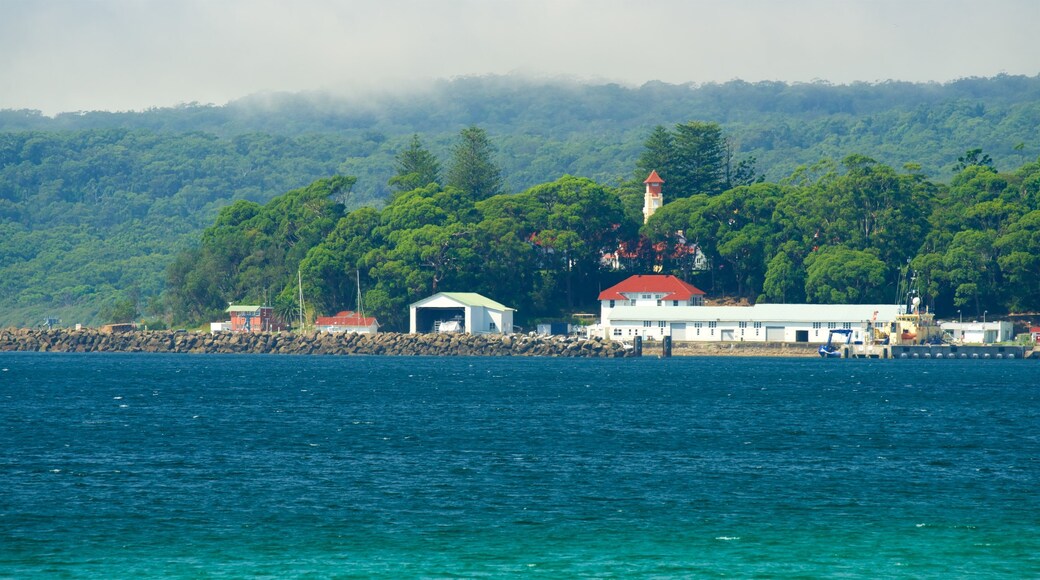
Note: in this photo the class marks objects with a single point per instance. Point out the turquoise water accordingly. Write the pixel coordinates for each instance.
(126, 465)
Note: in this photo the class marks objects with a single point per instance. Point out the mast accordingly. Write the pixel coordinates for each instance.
(299, 282)
(360, 308)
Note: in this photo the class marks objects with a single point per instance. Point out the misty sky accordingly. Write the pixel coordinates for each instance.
(75, 55)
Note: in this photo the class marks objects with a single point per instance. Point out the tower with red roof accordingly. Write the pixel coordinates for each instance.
(652, 199)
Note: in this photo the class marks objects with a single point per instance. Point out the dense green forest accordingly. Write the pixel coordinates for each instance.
(833, 233)
(96, 206)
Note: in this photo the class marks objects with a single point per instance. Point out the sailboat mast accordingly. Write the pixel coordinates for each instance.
(360, 308)
(299, 282)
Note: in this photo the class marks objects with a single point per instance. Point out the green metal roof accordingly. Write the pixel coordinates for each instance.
(243, 308)
(472, 299)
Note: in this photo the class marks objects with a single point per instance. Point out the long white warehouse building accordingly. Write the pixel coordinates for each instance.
(656, 306)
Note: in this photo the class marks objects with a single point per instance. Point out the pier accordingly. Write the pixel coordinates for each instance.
(938, 351)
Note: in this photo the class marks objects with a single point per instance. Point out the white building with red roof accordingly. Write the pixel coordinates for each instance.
(347, 321)
(656, 306)
(652, 290)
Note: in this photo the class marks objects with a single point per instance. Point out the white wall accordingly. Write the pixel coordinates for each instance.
(738, 323)
(479, 319)
(704, 331)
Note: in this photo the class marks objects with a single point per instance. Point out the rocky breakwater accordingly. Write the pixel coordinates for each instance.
(386, 343)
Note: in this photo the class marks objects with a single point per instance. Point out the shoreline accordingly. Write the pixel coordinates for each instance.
(386, 343)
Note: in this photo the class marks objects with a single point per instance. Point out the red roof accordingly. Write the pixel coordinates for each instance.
(654, 177)
(674, 288)
(345, 318)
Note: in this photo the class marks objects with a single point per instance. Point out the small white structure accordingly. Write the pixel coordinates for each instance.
(347, 321)
(216, 327)
(979, 332)
(476, 314)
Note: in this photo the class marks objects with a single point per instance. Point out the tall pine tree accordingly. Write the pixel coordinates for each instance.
(656, 156)
(699, 159)
(416, 167)
(472, 169)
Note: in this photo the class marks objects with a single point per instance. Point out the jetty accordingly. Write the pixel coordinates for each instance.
(316, 343)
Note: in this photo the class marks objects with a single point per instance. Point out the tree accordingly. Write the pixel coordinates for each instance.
(1019, 262)
(784, 281)
(416, 167)
(656, 155)
(837, 275)
(252, 252)
(973, 158)
(330, 269)
(472, 170)
(573, 223)
(122, 310)
(698, 164)
(745, 172)
(970, 266)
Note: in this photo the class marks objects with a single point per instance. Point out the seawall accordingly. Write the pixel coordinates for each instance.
(386, 343)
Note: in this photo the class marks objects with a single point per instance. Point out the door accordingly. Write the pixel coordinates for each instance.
(678, 331)
(775, 333)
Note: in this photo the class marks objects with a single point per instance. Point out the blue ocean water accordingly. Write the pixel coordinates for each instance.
(138, 465)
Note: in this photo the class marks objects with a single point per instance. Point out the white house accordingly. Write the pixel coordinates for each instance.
(467, 312)
(657, 306)
(980, 332)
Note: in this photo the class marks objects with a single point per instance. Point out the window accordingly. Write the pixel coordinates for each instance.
(742, 324)
(758, 325)
(712, 324)
(675, 302)
(612, 303)
(846, 325)
(617, 332)
(698, 324)
(646, 324)
(832, 325)
(647, 296)
(817, 325)
(492, 327)
(661, 324)
(658, 302)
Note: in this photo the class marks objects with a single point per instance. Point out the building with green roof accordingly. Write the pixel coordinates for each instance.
(466, 312)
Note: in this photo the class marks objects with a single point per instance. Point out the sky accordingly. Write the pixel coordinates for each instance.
(117, 55)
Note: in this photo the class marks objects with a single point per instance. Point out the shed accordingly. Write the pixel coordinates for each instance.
(348, 321)
(476, 314)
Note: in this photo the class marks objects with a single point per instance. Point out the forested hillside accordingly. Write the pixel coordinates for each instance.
(94, 206)
(840, 233)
